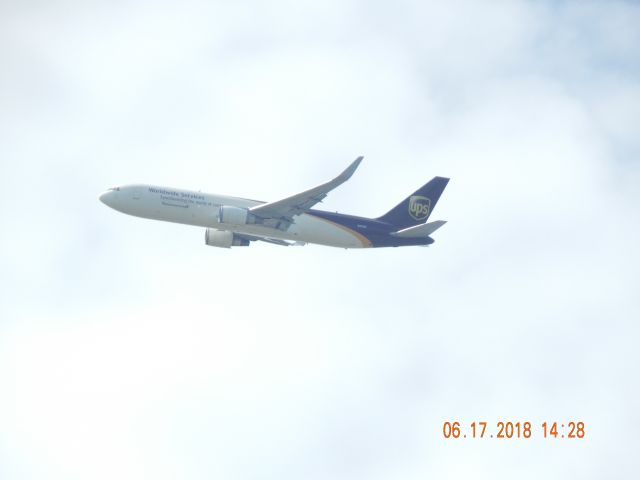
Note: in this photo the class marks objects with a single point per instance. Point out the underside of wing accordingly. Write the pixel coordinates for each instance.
(275, 241)
(284, 210)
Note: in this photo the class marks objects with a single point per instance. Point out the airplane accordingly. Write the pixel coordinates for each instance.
(236, 222)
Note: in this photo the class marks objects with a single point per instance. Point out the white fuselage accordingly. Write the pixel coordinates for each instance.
(202, 210)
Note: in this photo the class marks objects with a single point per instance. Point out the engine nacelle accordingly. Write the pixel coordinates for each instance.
(236, 216)
(223, 239)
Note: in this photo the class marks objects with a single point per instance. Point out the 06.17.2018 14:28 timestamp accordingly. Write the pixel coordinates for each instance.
(506, 429)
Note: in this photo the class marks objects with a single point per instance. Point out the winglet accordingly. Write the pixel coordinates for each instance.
(346, 175)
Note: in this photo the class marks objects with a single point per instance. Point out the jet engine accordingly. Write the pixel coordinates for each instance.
(236, 216)
(223, 239)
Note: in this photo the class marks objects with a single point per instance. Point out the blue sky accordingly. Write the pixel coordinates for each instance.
(129, 349)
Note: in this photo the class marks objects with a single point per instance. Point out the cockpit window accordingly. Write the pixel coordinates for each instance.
(116, 189)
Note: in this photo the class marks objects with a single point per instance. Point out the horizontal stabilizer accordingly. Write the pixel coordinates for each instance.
(422, 230)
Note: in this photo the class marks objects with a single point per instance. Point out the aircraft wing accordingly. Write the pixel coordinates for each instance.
(284, 210)
(276, 241)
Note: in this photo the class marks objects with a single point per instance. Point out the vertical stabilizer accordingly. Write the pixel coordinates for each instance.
(417, 207)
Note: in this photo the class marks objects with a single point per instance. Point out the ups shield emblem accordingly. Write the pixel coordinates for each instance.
(419, 207)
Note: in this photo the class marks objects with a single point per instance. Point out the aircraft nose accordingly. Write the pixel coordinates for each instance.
(107, 198)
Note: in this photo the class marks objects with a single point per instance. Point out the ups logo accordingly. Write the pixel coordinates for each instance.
(419, 207)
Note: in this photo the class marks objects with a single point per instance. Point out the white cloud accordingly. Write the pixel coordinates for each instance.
(129, 349)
